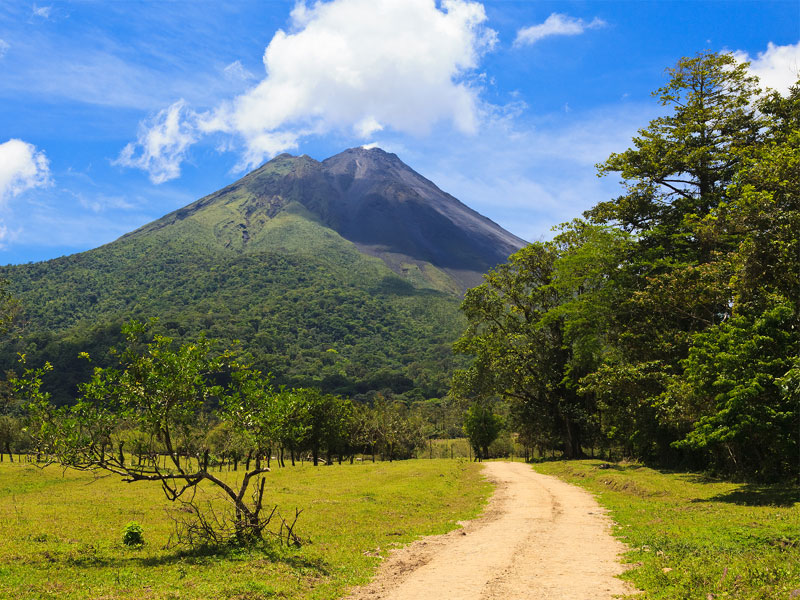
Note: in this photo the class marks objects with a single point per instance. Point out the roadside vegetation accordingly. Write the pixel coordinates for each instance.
(62, 531)
(691, 536)
(664, 325)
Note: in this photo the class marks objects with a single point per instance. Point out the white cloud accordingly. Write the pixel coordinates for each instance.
(102, 203)
(4, 46)
(555, 24)
(778, 67)
(22, 167)
(358, 66)
(237, 72)
(162, 143)
(42, 11)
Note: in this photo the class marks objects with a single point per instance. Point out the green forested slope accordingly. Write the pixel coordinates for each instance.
(243, 264)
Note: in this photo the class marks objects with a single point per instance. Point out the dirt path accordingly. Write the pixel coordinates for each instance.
(540, 538)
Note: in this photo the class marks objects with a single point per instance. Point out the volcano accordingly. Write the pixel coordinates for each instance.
(344, 274)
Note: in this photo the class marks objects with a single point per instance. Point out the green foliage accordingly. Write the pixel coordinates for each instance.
(482, 427)
(666, 327)
(738, 369)
(133, 534)
(9, 309)
(518, 344)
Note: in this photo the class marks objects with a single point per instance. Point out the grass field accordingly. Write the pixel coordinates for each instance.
(691, 537)
(61, 531)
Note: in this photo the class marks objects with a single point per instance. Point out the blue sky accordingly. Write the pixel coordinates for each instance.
(115, 113)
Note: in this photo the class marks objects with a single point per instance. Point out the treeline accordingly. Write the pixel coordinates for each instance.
(664, 325)
(194, 394)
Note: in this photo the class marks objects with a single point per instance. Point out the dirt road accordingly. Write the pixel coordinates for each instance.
(540, 538)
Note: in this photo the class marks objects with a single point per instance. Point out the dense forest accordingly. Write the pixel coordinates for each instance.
(309, 309)
(664, 324)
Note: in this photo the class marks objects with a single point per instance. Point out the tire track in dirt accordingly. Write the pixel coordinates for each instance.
(538, 539)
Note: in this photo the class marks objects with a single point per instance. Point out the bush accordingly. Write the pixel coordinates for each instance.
(502, 446)
(133, 534)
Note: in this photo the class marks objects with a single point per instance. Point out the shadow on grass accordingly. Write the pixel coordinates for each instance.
(206, 555)
(596, 463)
(759, 495)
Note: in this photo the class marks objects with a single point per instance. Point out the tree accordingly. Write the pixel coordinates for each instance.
(396, 431)
(740, 369)
(10, 430)
(160, 391)
(674, 282)
(520, 353)
(733, 390)
(482, 427)
(678, 171)
(291, 424)
(682, 163)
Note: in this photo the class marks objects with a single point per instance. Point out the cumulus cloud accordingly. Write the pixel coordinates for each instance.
(555, 24)
(356, 66)
(162, 143)
(4, 46)
(22, 167)
(778, 67)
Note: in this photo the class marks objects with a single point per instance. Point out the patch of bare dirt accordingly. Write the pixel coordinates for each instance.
(539, 539)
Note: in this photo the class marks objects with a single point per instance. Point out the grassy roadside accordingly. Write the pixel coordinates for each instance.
(691, 537)
(60, 532)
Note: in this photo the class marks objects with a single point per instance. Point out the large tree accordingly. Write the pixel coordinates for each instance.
(520, 355)
(675, 279)
(736, 388)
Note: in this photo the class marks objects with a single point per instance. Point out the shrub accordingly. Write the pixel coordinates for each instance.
(133, 534)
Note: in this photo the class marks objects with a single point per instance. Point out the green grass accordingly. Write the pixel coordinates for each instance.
(692, 537)
(61, 532)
